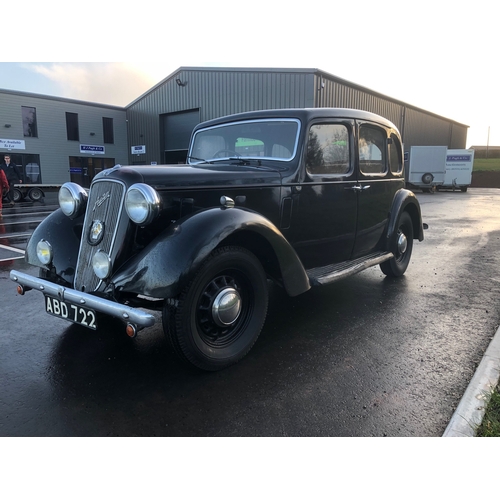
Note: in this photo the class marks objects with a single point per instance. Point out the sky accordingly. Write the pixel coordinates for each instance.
(437, 55)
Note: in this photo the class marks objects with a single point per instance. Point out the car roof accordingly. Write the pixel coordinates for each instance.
(304, 114)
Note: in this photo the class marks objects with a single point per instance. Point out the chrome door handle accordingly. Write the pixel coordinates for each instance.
(359, 188)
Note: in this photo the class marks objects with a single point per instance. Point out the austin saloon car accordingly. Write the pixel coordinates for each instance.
(298, 197)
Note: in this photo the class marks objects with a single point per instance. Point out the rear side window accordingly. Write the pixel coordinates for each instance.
(395, 159)
(328, 150)
(372, 150)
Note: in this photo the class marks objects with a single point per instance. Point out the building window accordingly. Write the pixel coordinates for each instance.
(72, 127)
(107, 129)
(29, 121)
(28, 166)
(83, 169)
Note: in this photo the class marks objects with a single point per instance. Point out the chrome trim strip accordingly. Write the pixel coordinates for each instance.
(244, 122)
(114, 309)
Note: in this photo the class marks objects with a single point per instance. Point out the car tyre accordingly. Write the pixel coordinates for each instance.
(218, 316)
(401, 246)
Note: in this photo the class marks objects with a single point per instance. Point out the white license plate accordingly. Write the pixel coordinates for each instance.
(76, 314)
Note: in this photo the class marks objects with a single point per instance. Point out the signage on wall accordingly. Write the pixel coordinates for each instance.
(138, 150)
(89, 149)
(12, 144)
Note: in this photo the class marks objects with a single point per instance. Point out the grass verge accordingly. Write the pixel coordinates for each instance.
(490, 426)
(486, 165)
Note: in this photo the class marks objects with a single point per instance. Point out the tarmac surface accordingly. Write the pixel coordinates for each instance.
(365, 357)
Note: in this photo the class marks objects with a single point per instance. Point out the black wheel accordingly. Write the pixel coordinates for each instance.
(35, 194)
(427, 178)
(17, 195)
(217, 318)
(402, 246)
(463, 189)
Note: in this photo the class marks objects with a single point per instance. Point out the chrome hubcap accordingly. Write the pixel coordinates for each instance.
(226, 307)
(402, 243)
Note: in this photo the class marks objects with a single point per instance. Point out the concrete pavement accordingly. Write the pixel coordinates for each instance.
(471, 409)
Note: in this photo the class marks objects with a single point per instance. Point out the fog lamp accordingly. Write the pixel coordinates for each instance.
(44, 252)
(101, 264)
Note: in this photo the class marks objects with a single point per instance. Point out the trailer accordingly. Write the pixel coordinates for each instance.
(34, 192)
(459, 163)
(427, 167)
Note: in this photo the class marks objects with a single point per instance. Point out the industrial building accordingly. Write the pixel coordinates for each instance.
(156, 127)
(55, 140)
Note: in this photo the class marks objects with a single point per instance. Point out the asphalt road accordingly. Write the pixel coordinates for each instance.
(367, 356)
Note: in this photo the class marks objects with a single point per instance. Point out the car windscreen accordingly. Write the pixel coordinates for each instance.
(274, 139)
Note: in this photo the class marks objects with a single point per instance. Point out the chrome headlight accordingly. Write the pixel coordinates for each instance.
(44, 252)
(142, 203)
(72, 199)
(101, 263)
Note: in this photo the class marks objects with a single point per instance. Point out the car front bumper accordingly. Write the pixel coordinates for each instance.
(136, 317)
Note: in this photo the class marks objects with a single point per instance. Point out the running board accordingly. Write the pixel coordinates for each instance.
(329, 274)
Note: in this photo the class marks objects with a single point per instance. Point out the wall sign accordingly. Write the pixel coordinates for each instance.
(138, 150)
(89, 149)
(12, 144)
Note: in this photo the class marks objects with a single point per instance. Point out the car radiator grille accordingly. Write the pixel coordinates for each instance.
(104, 204)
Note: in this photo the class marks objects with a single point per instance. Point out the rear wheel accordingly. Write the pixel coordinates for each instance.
(401, 246)
(17, 195)
(219, 315)
(35, 194)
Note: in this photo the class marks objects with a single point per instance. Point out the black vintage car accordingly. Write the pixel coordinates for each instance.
(302, 197)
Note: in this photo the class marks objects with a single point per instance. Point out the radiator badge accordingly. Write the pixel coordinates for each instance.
(101, 200)
(96, 232)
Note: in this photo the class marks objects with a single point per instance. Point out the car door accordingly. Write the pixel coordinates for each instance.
(377, 185)
(323, 219)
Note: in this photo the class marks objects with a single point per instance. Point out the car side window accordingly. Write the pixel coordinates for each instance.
(328, 149)
(372, 150)
(395, 160)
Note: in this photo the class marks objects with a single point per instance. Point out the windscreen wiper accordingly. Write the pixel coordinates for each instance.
(197, 159)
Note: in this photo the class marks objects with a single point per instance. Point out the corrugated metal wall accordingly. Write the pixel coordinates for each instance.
(223, 91)
(332, 93)
(417, 127)
(458, 136)
(215, 93)
(421, 128)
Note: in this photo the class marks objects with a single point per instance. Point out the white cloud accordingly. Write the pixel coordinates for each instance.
(109, 83)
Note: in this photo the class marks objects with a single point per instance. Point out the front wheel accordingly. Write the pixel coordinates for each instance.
(401, 246)
(219, 315)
